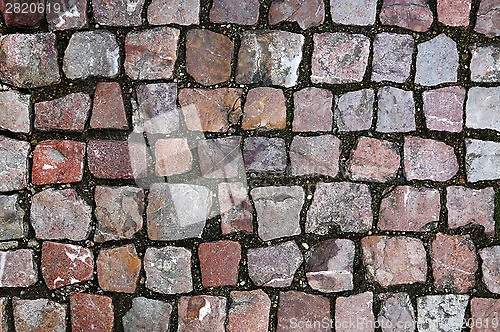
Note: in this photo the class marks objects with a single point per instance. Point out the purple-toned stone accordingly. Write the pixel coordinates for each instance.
(244, 12)
(13, 164)
(221, 158)
(118, 12)
(485, 64)
(108, 109)
(21, 17)
(66, 113)
(182, 12)
(262, 154)
(488, 18)
(443, 108)
(297, 309)
(454, 12)
(312, 110)
(15, 110)
(354, 313)
(307, 13)
(236, 211)
(484, 310)
(409, 14)
(91, 312)
(156, 111)
(396, 110)
(65, 15)
(392, 57)
(353, 110)
(315, 155)
(249, 311)
(18, 268)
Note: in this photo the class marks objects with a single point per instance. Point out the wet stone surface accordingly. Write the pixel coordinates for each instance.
(245, 12)
(118, 269)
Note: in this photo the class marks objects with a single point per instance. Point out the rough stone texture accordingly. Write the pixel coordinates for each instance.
(151, 54)
(394, 260)
(443, 108)
(3, 315)
(15, 110)
(173, 156)
(340, 204)
(427, 159)
(202, 313)
(269, 57)
(60, 214)
(245, 12)
(72, 16)
(339, 57)
(177, 211)
(214, 110)
(396, 313)
(219, 263)
(13, 164)
(441, 312)
(296, 309)
(236, 211)
(19, 268)
(249, 311)
(208, 56)
(262, 268)
(471, 207)
(118, 12)
(307, 14)
(488, 18)
(91, 53)
(312, 110)
(118, 269)
(39, 315)
(486, 313)
(262, 154)
(409, 209)
(481, 160)
(21, 18)
(353, 12)
(66, 264)
(329, 265)
(156, 111)
(67, 113)
(373, 160)
(58, 162)
(483, 108)
(315, 155)
(409, 14)
(392, 57)
(354, 110)
(182, 12)
(278, 210)
(12, 224)
(453, 12)
(396, 110)
(485, 64)
(91, 312)
(265, 108)
(147, 315)
(221, 158)
(437, 61)
(168, 270)
(108, 111)
(354, 313)
(491, 268)
(29, 60)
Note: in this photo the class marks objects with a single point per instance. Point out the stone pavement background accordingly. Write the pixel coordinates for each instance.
(216, 165)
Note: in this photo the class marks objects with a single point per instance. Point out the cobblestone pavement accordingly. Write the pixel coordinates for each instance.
(251, 165)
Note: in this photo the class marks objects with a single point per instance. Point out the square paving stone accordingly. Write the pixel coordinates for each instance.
(173, 156)
(15, 110)
(108, 110)
(298, 311)
(67, 113)
(236, 211)
(485, 64)
(245, 12)
(265, 109)
(353, 110)
(156, 111)
(39, 315)
(441, 312)
(118, 12)
(437, 61)
(73, 17)
(481, 160)
(147, 315)
(312, 110)
(219, 263)
(307, 13)
(262, 154)
(491, 268)
(315, 155)
(396, 313)
(354, 313)
(13, 164)
(414, 15)
(202, 313)
(91, 312)
(488, 18)
(221, 158)
(392, 57)
(182, 12)
(484, 314)
(19, 269)
(396, 110)
(443, 108)
(483, 108)
(454, 13)
(353, 12)
(118, 269)
(248, 311)
(12, 225)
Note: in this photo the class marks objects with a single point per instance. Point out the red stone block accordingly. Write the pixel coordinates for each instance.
(108, 110)
(18, 268)
(219, 262)
(91, 312)
(67, 113)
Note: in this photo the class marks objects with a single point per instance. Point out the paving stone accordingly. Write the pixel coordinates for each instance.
(177, 211)
(20, 17)
(156, 111)
(354, 313)
(454, 13)
(454, 262)
(12, 224)
(298, 311)
(409, 14)
(108, 111)
(66, 264)
(219, 263)
(264, 271)
(484, 314)
(39, 315)
(441, 312)
(491, 268)
(19, 269)
(488, 18)
(485, 64)
(329, 265)
(394, 260)
(339, 57)
(151, 54)
(173, 156)
(374, 160)
(168, 270)
(236, 211)
(116, 159)
(72, 16)
(396, 110)
(396, 313)
(278, 210)
(91, 53)
(221, 158)
(265, 108)
(58, 161)
(202, 313)
(482, 109)
(315, 155)
(340, 204)
(437, 61)
(427, 159)
(409, 209)
(60, 214)
(353, 12)
(147, 315)
(392, 57)
(262, 154)
(13, 164)
(182, 12)
(91, 312)
(118, 269)
(118, 12)
(307, 14)
(208, 56)
(312, 110)
(249, 311)
(29, 60)
(481, 160)
(15, 109)
(269, 57)
(244, 12)
(3, 315)
(443, 108)
(354, 110)
(214, 110)
(67, 113)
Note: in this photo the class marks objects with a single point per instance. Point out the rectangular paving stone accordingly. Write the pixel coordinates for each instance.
(13, 164)
(66, 113)
(414, 15)
(108, 111)
(117, 12)
(39, 315)
(248, 311)
(182, 12)
(265, 109)
(15, 110)
(490, 267)
(118, 269)
(307, 13)
(202, 313)
(72, 15)
(353, 12)
(437, 61)
(262, 154)
(91, 312)
(236, 211)
(484, 314)
(396, 313)
(353, 110)
(312, 110)
(12, 225)
(441, 312)
(221, 158)
(299, 311)
(219, 263)
(454, 13)
(156, 110)
(315, 155)
(482, 110)
(443, 108)
(396, 110)
(245, 12)
(392, 57)
(354, 313)
(173, 156)
(147, 315)
(481, 160)
(19, 269)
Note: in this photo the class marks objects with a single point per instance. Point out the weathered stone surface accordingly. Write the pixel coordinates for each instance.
(374, 160)
(245, 12)
(235, 209)
(409, 14)
(21, 17)
(307, 14)
(264, 271)
(91, 53)
(441, 312)
(396, 110)
(353, 12)
(151, 54)
(67, 113)
(329, 265)
(12, 224)
(219, 263)
(177, 211)
(265, 108)
(485, 313)
(19, 268)
(15, 110)
(202, 313)
(396, 313)
(312, 110)
(3, 315)
(182, 12)
(249, 311)
(147, 315)
(118, 269)
(66, 264)
(298, 311)
(409, 209)
(482, 160)
(491, 268)
(453, 12)
(29, 61)
(60, 214)
(108, 111)
(269, 57)
(173, 156)
(437, 61)
(315, 155)
(262, 154)
(13, 164)
(354, 110)
(443, 108)
(118, 12)
(485, 64)
(208, 56)
(340, 204)
(91, 312)
(156, 111)
(483, 108)
(72, 14)
(488, 18)
(39, 315)
(392, 57)
(221, 158)
(354, 313)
